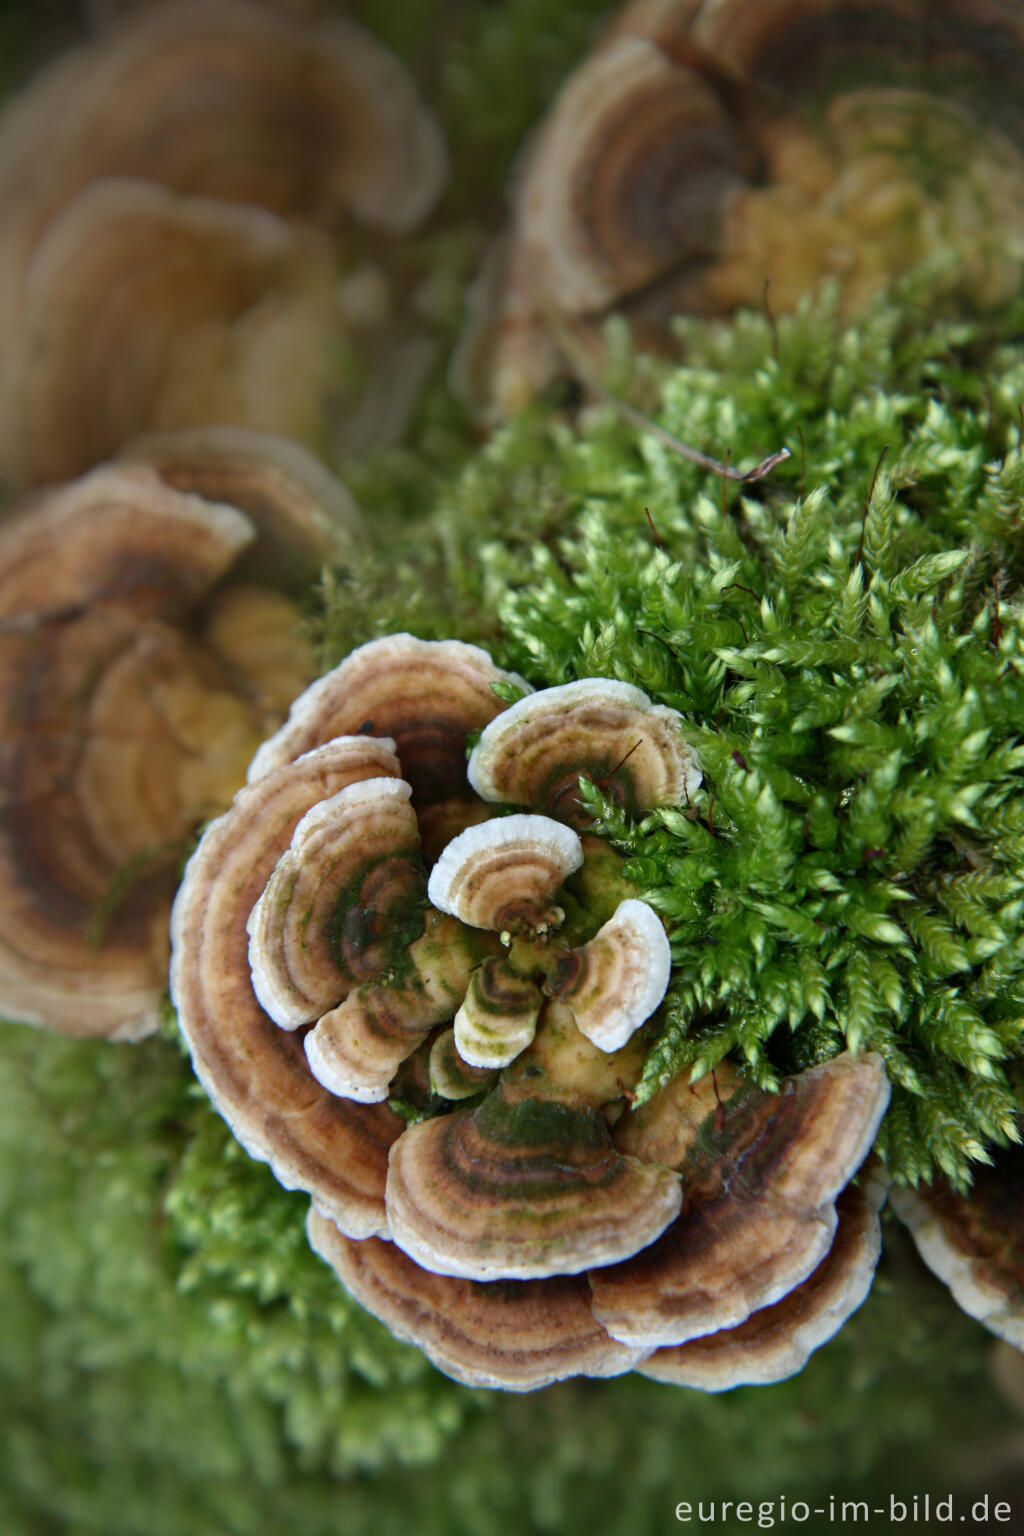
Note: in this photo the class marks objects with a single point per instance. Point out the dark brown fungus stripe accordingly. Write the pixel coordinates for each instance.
(522, 1188)
(255, 1073)
(760, 1177)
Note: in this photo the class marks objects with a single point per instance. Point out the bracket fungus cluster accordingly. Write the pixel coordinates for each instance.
(146, 648)
(707, 146)
(179, 200)
(419, 990)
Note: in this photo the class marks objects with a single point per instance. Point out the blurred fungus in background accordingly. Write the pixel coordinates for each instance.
(712, 155)
(149, 640)
(184, 201)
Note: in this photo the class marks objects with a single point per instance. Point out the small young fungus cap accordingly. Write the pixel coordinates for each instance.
(536, 752)
(614, 983)
(498, 1018)
(504, 873)
(450, 1074)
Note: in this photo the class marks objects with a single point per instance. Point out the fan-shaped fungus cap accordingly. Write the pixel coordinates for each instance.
(614, 983)
(255, 1073)
(120, 732)
(116, 537)
(516, 1334)
(694, 152)
(142, 309)
(777, 1341)
(628, 177)
(303, 517)
(975, 1241)
(761, 1178)
(312, 120)
(451, 1076)
(427, 695)
(521, 1188)
(504, 873)
(245, 130)
(352, 863)
(536, 752)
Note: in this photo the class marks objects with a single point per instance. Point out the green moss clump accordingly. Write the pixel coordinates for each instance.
(150, 1244)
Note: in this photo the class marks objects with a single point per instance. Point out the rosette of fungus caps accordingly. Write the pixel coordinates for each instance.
(706, 146)
(429, 1012)
(143, 654)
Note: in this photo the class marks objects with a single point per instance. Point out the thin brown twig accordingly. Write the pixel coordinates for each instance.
(669, 440)
(561, 334)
